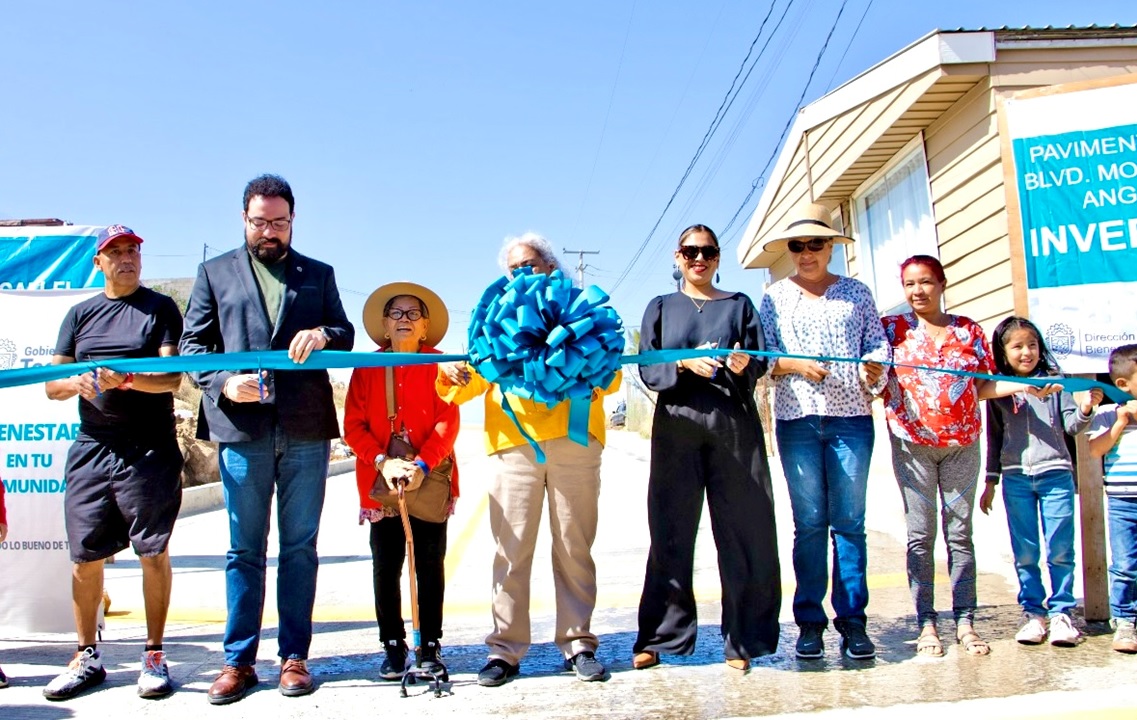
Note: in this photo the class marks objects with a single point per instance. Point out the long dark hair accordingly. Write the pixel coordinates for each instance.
(1047, 365)
(698, 228)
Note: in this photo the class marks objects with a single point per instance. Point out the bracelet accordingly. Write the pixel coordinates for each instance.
(422, 464)
(127, 381)
(679, 366)
(379, 461)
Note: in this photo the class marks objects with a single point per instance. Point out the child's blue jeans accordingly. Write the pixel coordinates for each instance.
(1048, 497)
(1123, 552)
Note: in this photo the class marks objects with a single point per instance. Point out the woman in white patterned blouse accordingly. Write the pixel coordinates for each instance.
(824, 424)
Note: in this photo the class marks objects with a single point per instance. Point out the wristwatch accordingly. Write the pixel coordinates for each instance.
(379, 461)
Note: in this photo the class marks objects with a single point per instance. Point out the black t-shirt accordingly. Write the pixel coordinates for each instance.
(135, 326)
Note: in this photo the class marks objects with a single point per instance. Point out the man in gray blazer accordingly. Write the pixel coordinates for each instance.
(273, 428)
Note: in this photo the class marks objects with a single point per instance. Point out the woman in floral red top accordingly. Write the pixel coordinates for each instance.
(935, 426)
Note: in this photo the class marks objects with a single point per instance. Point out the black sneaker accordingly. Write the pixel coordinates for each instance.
(429, 657)
(586, 666)
(855, 641)
(497, 672)
(397, 662)
(810, 643)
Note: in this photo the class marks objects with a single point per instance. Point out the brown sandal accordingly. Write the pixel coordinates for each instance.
(929, 643)
(645, 659)
(972, 643)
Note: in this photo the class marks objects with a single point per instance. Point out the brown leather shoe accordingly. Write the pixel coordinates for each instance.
(232, 684)
(295, 679)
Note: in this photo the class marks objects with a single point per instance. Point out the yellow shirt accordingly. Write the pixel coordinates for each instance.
(538, 420)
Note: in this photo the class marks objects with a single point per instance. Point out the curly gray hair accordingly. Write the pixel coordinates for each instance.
(531, 239)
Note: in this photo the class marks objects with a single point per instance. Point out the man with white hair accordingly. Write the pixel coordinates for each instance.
(571, 477)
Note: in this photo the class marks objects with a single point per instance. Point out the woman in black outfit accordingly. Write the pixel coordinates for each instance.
(707, 436)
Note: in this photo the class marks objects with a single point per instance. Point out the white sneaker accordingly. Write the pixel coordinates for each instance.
(1033, 632)
(154, 680)
(1062, 631)
(84, 671)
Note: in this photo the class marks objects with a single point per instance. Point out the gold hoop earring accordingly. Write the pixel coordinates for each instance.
(387, 336)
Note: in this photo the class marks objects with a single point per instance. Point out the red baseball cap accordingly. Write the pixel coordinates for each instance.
(113, 232)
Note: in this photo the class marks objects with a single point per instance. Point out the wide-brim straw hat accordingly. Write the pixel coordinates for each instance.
(812, 220)
(435, 308)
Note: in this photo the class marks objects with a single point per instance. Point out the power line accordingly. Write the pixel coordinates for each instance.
(789, 123)
(724, 150)
(650, 165)
(848, 45)
(715, 122)
(604, 127)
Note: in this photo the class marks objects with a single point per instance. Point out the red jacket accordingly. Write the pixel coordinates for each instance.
(431, 422)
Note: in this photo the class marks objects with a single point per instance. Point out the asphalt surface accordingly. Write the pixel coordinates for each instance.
(1088, 681)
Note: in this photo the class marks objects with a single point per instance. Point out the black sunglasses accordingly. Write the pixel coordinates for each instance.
(690, 252)
(813, 244)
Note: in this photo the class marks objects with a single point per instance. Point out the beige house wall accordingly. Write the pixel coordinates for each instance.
(966, 174)
(963, 150)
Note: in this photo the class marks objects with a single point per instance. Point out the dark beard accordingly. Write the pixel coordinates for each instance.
(265, 253)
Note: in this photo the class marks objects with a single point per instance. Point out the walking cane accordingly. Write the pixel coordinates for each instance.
(434, 678)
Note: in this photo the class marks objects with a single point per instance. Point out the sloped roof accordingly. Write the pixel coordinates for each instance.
(890, 103)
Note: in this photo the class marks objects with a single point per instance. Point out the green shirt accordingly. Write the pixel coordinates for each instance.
(270, 280)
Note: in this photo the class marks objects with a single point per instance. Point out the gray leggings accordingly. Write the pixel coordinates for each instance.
(923, 473)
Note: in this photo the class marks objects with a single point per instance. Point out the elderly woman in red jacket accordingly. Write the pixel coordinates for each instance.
(402, 317)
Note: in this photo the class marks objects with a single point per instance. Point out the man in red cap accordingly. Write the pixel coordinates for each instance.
(123, 472)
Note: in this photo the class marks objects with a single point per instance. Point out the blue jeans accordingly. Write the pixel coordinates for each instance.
(826, 464)
(1051, 496)
(250, 471)
(1123, 558)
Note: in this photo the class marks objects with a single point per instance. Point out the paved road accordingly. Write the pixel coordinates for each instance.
(1089, 681)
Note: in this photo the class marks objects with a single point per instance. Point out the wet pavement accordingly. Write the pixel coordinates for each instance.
(1089, 681)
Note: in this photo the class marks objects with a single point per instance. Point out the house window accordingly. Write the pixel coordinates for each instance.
(893, 221)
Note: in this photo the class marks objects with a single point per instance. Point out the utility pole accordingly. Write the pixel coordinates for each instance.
(580, 262)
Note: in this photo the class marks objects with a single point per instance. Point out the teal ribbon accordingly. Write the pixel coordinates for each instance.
(338, 359)
(1070, 384)
(236, 362)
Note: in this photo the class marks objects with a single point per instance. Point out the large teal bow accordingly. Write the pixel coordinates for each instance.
(542, 339)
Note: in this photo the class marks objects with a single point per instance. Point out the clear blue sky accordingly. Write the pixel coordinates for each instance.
(418, 135)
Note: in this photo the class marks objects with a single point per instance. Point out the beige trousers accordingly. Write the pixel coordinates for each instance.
(571, 475)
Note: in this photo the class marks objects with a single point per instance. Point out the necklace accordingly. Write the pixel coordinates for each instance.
(939, 333)
(698, 307)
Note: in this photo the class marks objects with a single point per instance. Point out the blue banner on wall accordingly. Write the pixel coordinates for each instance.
(1078, 197)
(1074, 150)
(49, 258)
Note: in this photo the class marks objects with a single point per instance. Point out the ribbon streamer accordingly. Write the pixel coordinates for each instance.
(338, 359)
(1070, 384)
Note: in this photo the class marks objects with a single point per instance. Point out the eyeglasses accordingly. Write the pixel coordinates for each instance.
(813, 245)
(397, 314)
(690, 252)
(280, 224)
